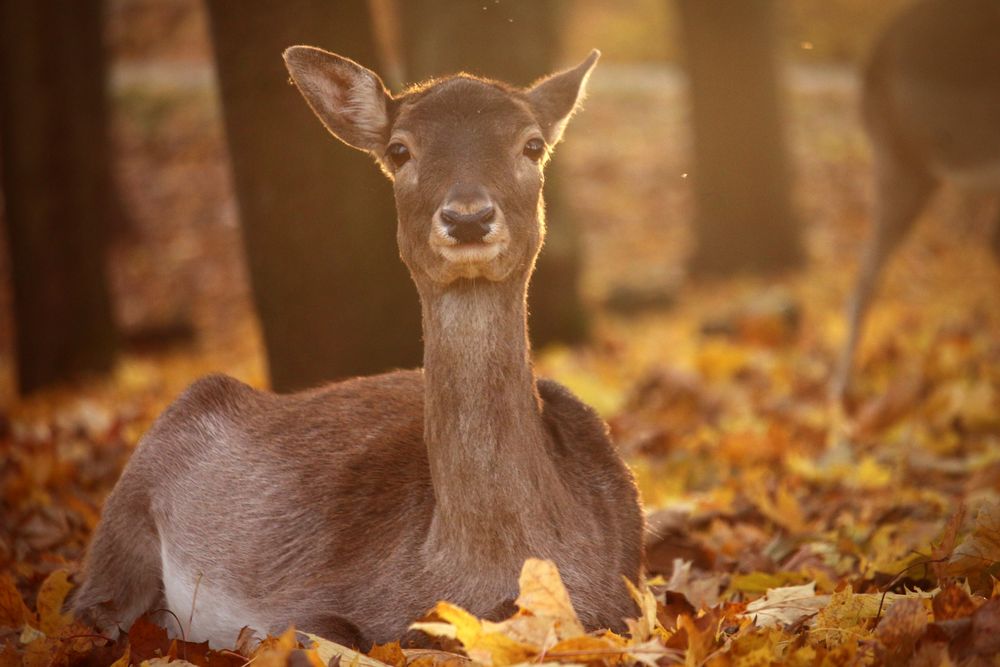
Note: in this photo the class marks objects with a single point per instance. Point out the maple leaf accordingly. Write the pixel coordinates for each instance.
(543, 594)
(980, 550)
(13, 612)
(900, 629)
(701, 590)
(51, 597)
(327, 651)
(843, 618)
(786, 606)
(484, 642)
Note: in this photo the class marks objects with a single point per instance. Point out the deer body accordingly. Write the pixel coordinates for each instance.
(351, 509)
(931, 107)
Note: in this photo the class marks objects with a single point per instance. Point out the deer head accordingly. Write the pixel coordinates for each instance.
(465, 156)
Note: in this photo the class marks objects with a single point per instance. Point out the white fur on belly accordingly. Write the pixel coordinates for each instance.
(218, 616)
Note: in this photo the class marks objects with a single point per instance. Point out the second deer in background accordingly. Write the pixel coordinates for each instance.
(931, 106)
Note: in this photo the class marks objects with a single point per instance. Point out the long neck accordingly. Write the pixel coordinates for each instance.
(482, 419)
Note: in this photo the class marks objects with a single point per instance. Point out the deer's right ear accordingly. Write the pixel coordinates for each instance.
(349, 99)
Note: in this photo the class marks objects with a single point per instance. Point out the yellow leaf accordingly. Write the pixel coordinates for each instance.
(51, 596)
(543, 594)
(844, 618)
(755, 648)
(587, 649)
(641, 629)
(483, 643)
(536, 631)
(758, 583)
(326, 650)
(123, 661)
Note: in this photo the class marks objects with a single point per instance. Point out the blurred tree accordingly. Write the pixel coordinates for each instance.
(318, 219)
(741, 176)
(516, 41)
(57, 186)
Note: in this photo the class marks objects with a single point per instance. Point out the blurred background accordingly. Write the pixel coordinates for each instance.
(172, 208)
(163, 201)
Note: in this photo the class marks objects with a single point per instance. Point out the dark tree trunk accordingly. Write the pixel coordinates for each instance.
(744, 219)
(515, 41)
(319, 224)
(57, 187)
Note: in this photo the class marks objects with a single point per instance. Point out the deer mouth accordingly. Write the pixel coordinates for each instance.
(471, 253)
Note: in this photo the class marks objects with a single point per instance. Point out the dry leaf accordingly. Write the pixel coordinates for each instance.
(981, 548)
(327, 650)
(701, 589)
(786, 606)
(900, 629)
(13, 612)
(51, 597)
(543, 594)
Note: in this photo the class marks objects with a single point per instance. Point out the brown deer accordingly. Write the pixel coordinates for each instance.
(931, 108)
(351, 509)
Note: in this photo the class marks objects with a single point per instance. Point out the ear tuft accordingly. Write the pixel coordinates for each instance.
(349, 99)
(555, 98)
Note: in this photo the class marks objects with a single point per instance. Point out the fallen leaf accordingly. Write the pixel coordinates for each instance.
(786, 606)
(543, 594)
(986, 629)
(701, 589)
(980, 550)
(480, 643)
(952, 602)
(328, 650)
(13, 612)
(390, 653)
(900, 629)
(51, 597)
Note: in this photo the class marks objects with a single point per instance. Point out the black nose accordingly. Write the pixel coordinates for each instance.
(467, 227)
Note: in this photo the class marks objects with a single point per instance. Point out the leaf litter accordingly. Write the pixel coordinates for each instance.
(783, 532)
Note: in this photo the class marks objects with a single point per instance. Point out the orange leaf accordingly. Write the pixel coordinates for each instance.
(13, 612)
(390, 653)
(51, 596)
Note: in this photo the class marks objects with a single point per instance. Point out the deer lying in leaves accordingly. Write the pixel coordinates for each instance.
(931, 105)
(350, 510)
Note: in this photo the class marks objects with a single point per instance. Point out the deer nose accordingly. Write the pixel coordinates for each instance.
(468, 227)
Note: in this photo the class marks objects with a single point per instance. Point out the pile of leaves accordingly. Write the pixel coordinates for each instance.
(783, 529)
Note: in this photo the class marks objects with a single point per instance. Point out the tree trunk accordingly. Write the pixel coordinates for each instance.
(515, 41)
(744, 219)
(319, 224)
(57, 187)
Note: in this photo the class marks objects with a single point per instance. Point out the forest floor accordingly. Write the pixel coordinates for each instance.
(782, 531)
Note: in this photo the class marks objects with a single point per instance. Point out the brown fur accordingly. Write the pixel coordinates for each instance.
(351, 509)
(931, 107)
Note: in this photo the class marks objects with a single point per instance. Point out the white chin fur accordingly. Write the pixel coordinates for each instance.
(470, 253)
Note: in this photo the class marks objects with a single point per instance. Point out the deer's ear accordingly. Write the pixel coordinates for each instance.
(556, 97)
(349, 99)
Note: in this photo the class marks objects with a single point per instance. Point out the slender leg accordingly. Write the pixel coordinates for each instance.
(901, 191)
(122, 575)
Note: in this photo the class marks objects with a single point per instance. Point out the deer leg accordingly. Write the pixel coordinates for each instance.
(122, 575)
(902, 190)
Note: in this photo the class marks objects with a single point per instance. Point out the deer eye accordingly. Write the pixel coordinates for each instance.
(534, 149)
(398, 154)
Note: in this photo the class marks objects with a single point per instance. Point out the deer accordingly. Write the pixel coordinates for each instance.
(931, 109)
(349, 510)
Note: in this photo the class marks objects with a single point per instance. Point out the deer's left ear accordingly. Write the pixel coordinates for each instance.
(556, 97)
(349, 99)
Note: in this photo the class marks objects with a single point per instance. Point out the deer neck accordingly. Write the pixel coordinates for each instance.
(482, 417)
